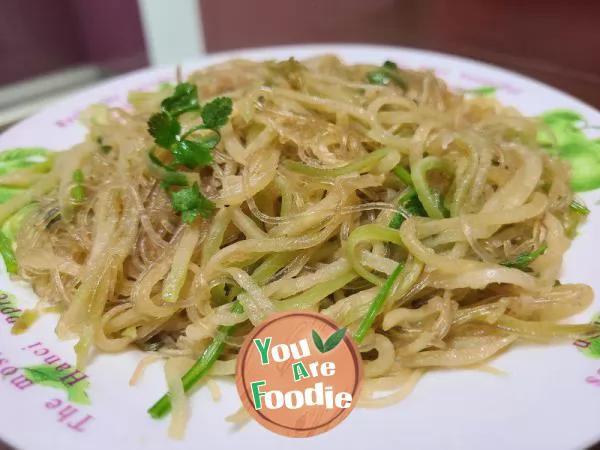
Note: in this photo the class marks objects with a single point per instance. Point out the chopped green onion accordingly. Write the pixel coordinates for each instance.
(523, 261)
(78, 191)
(409, 201)
(387, 74)
(431, 199)
(390, 65)
(412, 205)
(404, 175)
(377, 304)
(200, 368)
(579, 208)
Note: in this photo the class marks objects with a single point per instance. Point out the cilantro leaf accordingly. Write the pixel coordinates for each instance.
(378, 77)
(184, 99)
(387, 74)
(216, 113)
(390, 65)
(194, 154)
(191, 203)
(164, 128)
(169, 176)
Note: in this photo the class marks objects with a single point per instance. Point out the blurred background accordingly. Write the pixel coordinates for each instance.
(49, 48)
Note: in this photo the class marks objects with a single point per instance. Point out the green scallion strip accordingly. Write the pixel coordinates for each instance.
(523, 261)
(404, 175)
(377, 304)
(163, 406)
(10, 261)
(411, 205)
(431, 200)
(78, 191)
(579, 208)
(409, 201)
(387, 74)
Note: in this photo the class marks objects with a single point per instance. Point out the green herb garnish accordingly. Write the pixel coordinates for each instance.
(523, 260)
(387, 74)
(164, 128)
(216, 113)
(78, 190)
(579, 208)
(191, 203)
(184, 99)
(377, 304)
(167, 132)
(200, 367)
(409, 201)
(412, 205)
(404, 175)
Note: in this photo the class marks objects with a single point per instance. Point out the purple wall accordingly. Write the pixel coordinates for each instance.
(38, 36)
(110, 32)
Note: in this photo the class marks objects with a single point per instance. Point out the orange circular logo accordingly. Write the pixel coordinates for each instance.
(299, 374)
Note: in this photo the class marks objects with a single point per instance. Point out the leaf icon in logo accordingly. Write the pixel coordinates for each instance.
(331, 342)
(318, 341)
(47, 375)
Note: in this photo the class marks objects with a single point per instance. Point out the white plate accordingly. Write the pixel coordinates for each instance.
(547, 401)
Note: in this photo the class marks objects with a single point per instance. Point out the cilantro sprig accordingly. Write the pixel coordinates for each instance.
(167, 132)
(388, 73)
(192, 153)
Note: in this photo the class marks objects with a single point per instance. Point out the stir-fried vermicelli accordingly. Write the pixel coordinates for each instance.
(428, 222)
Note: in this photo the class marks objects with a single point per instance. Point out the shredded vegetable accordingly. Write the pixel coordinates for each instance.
(431, 223)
